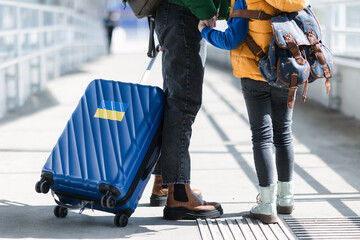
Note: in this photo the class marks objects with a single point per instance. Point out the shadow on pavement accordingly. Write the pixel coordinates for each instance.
(36, 103)
(15, 223)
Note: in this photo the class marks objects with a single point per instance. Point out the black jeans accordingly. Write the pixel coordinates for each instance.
(270, 122)
(183, 61)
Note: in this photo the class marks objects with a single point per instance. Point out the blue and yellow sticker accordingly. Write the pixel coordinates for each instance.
(111, 110)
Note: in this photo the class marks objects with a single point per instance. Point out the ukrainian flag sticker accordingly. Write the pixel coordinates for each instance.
(111, 110)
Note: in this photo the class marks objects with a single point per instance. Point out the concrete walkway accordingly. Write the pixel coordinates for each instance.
(327, 147)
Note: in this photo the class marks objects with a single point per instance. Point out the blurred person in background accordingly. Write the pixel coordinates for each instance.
(110, 24)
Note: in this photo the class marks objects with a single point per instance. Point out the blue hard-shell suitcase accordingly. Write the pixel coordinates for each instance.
(107, 151)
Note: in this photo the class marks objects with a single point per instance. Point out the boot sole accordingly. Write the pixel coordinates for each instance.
(181, 213)
(157, 200)
(268, 219)
(285, 209)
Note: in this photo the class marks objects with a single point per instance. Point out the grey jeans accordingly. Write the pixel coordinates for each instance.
(183, 61)
(270, 122)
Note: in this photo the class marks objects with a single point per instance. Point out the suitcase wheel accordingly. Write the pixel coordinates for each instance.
(45, 187)
(121, 220)
(60, 212)
(38, 187)
(42, 187)
(111, 202)
(108, 201)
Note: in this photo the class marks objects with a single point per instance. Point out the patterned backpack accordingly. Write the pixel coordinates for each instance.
(296, 53)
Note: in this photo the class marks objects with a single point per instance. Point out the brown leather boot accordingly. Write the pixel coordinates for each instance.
(183, 203)
(160, 191)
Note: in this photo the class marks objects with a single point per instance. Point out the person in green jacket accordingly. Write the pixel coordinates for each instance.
(183, 60)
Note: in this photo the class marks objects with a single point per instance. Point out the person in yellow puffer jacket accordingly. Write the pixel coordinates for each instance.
(269, 116)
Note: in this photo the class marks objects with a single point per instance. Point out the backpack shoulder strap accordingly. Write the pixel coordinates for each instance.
(253, 14)
(254, 47)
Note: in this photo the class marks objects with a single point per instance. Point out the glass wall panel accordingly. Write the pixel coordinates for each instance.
(48, 19)
(49, 39)
(29, 18)
(59, 19)
(29, 43)
(353, 44)
(336, 17)
(7, 19)
(353, 16)
(7, 48)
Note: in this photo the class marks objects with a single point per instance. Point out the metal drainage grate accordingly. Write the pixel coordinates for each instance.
(242, 228)
(325, 228)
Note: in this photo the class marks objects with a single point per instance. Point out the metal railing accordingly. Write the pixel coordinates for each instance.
(40, 42)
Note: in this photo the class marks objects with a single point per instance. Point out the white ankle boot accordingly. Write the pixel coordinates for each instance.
(285, 197)
(265, 211)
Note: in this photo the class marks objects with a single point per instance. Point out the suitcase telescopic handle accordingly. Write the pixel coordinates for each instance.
(151, 63)
(151, 48)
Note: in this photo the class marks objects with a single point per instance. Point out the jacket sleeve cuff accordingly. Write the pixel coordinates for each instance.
(205, 31)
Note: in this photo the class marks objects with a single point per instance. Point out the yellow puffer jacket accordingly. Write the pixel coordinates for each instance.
(245, 64)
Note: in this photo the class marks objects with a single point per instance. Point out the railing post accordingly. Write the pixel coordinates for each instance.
(341, 43)
(56, 53)
(42, 58)
(14, 101)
